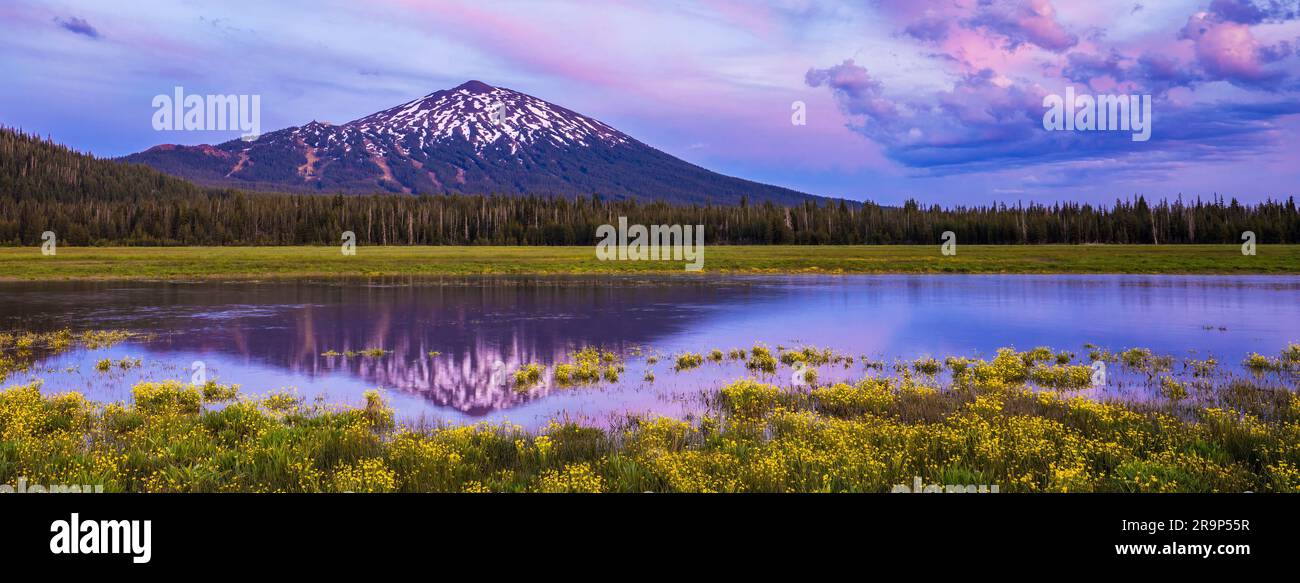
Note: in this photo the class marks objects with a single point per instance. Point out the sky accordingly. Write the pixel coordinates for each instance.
(942, 102)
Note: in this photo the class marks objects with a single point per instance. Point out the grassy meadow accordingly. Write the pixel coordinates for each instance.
(252, 262)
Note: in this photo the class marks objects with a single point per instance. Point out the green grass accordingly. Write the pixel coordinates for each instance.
(251, 262)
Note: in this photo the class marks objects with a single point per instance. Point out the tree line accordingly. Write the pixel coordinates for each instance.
(88, 201)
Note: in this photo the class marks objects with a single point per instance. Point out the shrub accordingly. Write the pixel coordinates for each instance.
(927, 365)
(589, 366)
(761, 359)
(748, 397)
(687, 361)
(1259, 363)
(1172, 389)
(1061, 376)
(527, 376)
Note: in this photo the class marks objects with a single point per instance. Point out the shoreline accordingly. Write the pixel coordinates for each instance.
(245, 263)
(580, 276)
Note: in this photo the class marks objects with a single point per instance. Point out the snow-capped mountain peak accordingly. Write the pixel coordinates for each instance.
(472, 138)
(486, 116)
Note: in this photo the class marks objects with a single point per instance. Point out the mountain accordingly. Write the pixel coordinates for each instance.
(454, 141)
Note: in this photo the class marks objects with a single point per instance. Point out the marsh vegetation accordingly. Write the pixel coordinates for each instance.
(1015, 419)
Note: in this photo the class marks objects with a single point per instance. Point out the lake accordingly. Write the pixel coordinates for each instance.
(271, 335)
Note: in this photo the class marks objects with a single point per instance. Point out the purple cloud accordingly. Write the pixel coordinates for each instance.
(1276, 52)
(1162, 73)
(1010, 23)
(980, 119)
(79, 26)
(986, 123)
(930, 29)
(1151, 72)
(859, 94)
(1021, 22)
(1002, 57)
(1252, 12)
(1084, 67)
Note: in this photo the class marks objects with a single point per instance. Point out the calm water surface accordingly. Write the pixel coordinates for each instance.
(268, 336)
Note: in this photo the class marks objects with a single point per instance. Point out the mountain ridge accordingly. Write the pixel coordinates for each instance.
(471, 139)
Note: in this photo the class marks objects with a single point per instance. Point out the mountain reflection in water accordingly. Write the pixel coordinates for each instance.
(265, 335)
(482, 329)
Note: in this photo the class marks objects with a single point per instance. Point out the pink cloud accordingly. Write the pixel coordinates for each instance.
(1009, 23)
(861, 95)
(1003, 56)
(1019, 22)
(1226, 49)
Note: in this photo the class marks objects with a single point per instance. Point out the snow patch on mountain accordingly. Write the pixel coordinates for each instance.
(468, 114)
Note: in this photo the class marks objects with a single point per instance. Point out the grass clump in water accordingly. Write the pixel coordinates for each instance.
(1202, 368)
(957, 364)
(1061, 376)
(126, 363)
(1142, 359)
(1291, 355)
(589, 366)
(97, 339)
(527, 376)
(1260, 363)
(1098, 354)
(809, 355)
(761, 360)
(687, 361)
(1173, 390)
(1037, 355)
(19, 349)
(927, 366)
